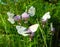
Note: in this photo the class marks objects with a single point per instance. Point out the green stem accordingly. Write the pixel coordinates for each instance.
(3, 22)
(43, 35)
(51, 42)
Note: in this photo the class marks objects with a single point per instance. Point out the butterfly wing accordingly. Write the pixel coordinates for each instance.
(21, 30)
(10, 15)
(34, 27)
(31, 11)
(11, 20)
(46, 16)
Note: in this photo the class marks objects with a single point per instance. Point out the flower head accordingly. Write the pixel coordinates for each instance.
(31, 11)
(25, 15)
(17, 18)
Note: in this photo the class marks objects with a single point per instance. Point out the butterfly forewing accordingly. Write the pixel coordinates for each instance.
(34, 27)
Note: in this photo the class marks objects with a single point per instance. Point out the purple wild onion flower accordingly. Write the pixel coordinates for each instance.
(17, 18)
(25, 16)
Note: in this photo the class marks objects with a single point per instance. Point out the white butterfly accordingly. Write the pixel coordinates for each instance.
(22, 30)
(46, 16)
(31, 11)
(10, 17)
